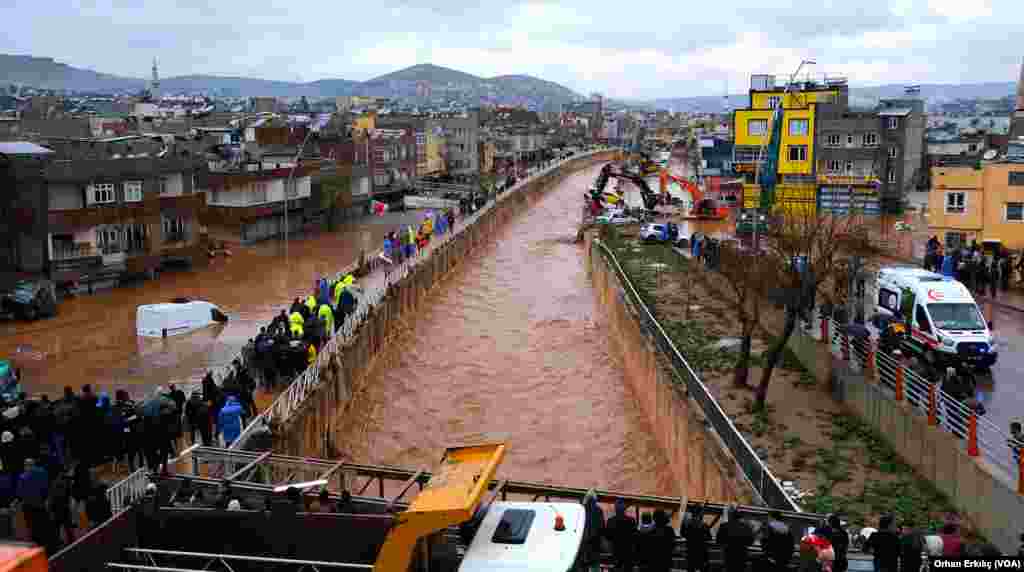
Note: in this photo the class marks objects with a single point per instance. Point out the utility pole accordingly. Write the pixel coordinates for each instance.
(287, 189)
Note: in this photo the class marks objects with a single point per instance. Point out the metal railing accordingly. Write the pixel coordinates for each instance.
(126, 491)
(308, 381)
(757, 473)
(902, 383)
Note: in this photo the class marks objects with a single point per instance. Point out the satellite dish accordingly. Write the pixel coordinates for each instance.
(990, 154)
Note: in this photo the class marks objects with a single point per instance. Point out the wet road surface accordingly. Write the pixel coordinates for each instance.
(92, 339)
(512, 344)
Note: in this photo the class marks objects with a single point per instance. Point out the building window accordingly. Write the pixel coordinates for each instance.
(798, 126)
(161, 184)
(892, 176)
(894, 123)
(1016, 178)
(870, 139)
(972, 148)
(174, 229)
(798, 152)
(108, 239)
(132, 191)
(849, 139)
(849, 167)
(1015, 212)
(955, 240)
(773, 101)
(101, 193)
(258, 194)
(833, 140)
(757, 127)
(892, 152)
(956, 202)
(834, 166)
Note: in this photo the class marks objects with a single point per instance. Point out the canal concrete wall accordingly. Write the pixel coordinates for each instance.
(331, 412)
(701, 463)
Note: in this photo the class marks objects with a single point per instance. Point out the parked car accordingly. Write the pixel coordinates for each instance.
(31, 300)
(617, 218)
(659, 232)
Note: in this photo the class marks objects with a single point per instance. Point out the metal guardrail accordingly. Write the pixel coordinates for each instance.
(951, 415)
(306, 383)
(128, 490)
(760, 477)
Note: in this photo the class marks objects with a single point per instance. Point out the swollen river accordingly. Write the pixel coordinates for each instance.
(512, 345)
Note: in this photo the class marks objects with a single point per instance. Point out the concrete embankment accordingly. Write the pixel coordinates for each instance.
(699, 459)
(327, 413)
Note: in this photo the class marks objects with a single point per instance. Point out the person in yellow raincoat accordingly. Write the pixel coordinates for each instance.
(428, 227)
(327, 316)
(311, 354)
(296, 330)
(412, 237)
(311, 303)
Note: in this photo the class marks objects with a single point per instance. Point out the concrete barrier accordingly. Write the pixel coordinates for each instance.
(701, 463)
(318, 418)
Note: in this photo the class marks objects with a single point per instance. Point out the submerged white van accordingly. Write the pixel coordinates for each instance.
(944, 320)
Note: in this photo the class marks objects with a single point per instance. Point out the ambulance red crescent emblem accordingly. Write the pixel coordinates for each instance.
(934, 295)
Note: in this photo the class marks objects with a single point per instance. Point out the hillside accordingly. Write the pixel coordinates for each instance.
(445, 84)
(49, 74)
(426, 73)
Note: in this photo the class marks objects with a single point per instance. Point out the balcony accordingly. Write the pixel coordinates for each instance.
(851, 179)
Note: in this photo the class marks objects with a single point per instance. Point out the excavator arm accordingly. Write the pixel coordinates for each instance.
(702, 207)
(649, 196)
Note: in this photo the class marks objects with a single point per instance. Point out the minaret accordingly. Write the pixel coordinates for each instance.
(1017, 117)
(155, 88)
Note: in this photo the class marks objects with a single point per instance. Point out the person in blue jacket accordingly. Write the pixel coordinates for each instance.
(229, 421)
(947, 266)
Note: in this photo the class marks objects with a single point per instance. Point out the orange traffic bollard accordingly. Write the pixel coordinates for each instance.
(899, 376)
(972, 435)
(933, 416)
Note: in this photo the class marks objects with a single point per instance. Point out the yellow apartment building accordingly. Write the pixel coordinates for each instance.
(982, 202)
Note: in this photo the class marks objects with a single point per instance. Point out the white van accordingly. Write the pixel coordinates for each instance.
(527, 536)
(944, 320)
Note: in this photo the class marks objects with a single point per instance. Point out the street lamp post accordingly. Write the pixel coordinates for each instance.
(287, 189)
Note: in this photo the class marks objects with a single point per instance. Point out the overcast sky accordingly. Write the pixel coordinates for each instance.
(622, 49)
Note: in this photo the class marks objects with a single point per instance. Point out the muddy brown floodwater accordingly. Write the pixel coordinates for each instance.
(513, 344)
(92, 339)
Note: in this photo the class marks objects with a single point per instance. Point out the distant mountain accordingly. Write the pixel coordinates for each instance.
(426, 73)
(442, 84)
(859, 96)
(45, 73)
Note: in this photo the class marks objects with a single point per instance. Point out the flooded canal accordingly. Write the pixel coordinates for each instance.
(512, 345)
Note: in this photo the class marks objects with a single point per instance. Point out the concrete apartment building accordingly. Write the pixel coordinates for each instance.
(391, 159)
(122, 206)
(968, 203)
(23, 211)
(848, 160)
(902, 143)
(462, 139)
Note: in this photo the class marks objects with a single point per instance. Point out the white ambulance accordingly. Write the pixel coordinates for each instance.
(945, 322)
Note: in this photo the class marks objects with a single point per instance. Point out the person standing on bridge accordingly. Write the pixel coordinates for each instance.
(777, 542)
(229, 421)
(593, 532)
(735, 536)
(697, 535)
(621, 532)
(661, 543)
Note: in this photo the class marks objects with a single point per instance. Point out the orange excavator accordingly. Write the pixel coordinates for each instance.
(703, 208)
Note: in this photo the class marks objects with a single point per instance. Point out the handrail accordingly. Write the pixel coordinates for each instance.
(305, 383)
(952, 415)
(760, 477)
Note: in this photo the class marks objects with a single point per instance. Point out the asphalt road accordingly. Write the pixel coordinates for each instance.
(1002, 392)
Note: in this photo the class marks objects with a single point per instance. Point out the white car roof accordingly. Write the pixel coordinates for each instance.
(544, 550)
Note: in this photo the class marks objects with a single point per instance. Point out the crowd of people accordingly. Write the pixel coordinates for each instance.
(979, 271)
(650, 545)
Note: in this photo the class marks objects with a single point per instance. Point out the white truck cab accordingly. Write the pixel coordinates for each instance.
(944, 320)
(527, 537)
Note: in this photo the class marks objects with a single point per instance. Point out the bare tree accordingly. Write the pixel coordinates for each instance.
(812, 251)
(750, 278)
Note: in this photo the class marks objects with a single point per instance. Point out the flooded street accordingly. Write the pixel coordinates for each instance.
(512, 345)
(92, 339)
